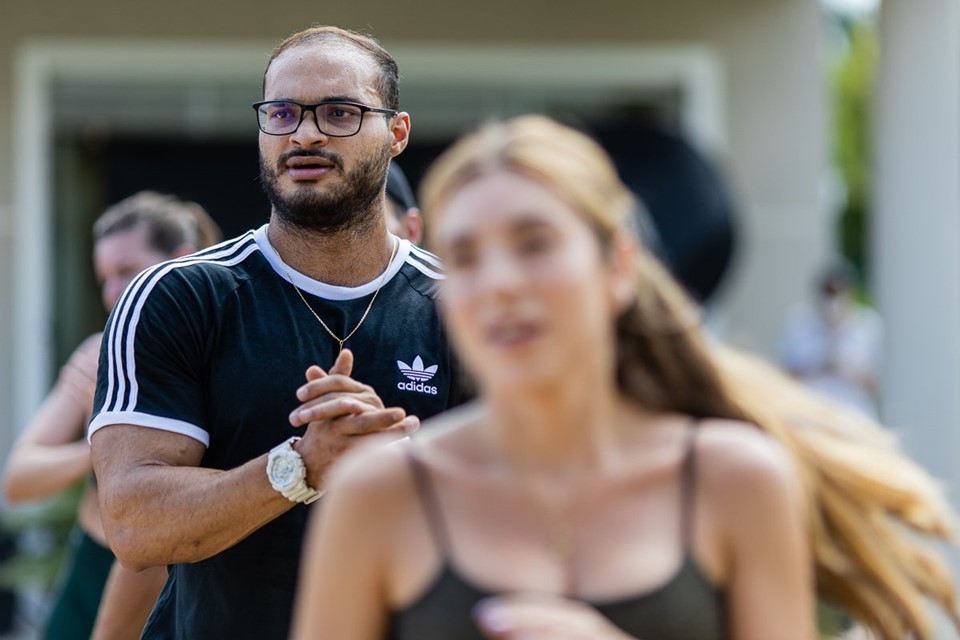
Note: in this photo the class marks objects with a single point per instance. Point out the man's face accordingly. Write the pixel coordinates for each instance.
(315, 181)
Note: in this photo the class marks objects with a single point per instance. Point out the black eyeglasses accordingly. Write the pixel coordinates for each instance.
(334, 119)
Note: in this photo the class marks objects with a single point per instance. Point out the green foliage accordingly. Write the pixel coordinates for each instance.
(831, 621)
(853, 76)
(41, 532)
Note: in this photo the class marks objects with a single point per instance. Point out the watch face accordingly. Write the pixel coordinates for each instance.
(284, 470)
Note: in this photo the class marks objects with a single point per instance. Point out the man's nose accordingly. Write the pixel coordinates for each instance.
(308, 133)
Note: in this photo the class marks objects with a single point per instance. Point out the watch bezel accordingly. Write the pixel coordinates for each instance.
(295, 487)
(280, 479)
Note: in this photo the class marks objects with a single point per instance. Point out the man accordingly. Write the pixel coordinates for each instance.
(403, 215)
(834, 345)
(201, 392)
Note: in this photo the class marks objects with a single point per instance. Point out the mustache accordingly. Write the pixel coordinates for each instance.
(317, 153)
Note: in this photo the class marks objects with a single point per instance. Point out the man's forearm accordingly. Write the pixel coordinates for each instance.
(159, 508)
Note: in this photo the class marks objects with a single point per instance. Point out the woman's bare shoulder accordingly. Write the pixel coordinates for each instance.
(738, 460)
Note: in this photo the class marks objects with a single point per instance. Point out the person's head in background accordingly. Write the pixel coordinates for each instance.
(403, 215)
(141, 231)
(835, 290)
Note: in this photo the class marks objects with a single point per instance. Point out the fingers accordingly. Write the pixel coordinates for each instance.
(398, 431)
(367, 423)
(529, 616)
(329, 410)
(334, 405)
(331, 383)
(363, 416)
(406, 427)
(326, 440)
(315, 373)
(343, 364)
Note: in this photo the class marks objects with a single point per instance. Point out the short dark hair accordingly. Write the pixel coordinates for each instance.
(170, 222)
(839, 275)
(388, 84)
(398, 188)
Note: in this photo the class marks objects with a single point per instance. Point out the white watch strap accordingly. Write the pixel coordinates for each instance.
(303, 493)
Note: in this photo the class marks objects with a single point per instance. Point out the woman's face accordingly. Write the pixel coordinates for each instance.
(119, 257)
(528, 298)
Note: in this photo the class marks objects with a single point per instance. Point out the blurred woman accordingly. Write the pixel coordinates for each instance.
(622, 476)
(52, 454)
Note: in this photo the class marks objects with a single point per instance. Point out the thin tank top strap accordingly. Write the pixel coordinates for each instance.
(428, 498)
(688, 485)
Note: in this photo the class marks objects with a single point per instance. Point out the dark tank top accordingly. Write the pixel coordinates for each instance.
(686, 607)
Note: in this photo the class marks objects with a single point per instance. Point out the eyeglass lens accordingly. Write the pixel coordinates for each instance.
(333, 118)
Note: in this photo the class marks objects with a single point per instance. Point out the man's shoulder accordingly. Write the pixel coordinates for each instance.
(192, 285)
(423, 271)
(222, 266)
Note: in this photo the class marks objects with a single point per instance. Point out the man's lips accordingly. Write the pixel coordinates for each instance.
(308, 167)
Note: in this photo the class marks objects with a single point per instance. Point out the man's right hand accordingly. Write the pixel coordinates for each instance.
(338, 411)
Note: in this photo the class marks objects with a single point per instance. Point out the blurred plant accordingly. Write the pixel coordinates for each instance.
(852, 79)
(832, 622)
(39, 535)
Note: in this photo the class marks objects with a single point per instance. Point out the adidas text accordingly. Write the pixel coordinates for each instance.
(417, 386)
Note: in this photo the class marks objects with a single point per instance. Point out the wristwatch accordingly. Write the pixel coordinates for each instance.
(287, 473)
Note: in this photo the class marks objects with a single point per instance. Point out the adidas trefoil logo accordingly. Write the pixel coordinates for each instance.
(417, 374)
(416, 371)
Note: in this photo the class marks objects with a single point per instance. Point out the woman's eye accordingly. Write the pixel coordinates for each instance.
(461, 259)
(533, 244)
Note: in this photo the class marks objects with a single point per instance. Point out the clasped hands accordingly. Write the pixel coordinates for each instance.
(337, 411)
(539, 616)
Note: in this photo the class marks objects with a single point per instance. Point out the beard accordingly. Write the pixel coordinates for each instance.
(348, 205)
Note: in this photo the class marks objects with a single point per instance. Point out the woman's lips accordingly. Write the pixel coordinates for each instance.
(512, 334)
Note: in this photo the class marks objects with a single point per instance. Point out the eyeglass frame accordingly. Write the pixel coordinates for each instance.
(304, 108)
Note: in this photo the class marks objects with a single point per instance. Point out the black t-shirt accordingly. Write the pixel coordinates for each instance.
(214, 346)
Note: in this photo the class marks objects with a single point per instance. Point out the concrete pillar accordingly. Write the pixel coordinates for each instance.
(916, 228)
(916, 235)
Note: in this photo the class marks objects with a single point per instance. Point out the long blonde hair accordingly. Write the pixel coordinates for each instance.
(867, 500)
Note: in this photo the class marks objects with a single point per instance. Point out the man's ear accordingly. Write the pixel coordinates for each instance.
(412, 223)
(400, 132)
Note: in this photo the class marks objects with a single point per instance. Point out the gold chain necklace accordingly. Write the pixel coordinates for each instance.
(383, 277)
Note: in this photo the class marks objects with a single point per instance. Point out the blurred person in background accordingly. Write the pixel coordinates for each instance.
(834, 345)
(52, 455)
(403, 215)
(622, 475)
